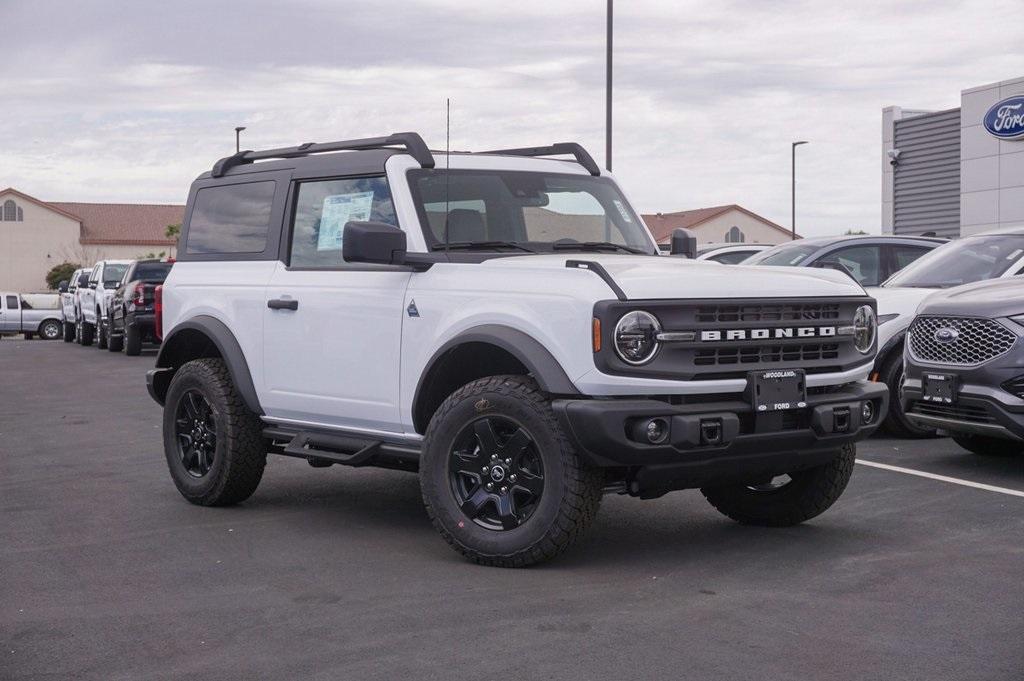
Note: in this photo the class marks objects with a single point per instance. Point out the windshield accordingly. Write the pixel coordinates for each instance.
(112, 274)
(786, 255)
(973, 258)
(526, 211)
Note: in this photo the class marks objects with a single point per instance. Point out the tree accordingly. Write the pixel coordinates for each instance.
(59, 273)
(172, 232)
(855, 232)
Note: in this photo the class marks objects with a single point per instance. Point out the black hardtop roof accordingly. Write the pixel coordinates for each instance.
(367, 155)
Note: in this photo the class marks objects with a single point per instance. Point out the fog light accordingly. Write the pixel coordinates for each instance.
(656, 431)
(867, 413)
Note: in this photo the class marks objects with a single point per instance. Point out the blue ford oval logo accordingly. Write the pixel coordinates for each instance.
(1005, 119)
(946, 334)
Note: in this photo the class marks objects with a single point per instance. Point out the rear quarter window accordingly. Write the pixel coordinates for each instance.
(232, 218)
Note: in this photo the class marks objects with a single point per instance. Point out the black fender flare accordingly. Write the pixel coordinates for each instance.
(883, 352)
(540, 363)
(227, 346)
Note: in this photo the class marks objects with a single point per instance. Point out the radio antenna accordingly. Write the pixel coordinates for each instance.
(447, 164)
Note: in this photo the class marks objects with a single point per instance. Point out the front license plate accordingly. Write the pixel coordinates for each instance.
(778, 390)
(939, 388)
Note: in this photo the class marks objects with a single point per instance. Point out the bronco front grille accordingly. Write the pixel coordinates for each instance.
(766, 354)
(960, 341)
(780, 312)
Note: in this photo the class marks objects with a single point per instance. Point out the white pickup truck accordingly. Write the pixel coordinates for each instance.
(30, 314)
(93, 300)
(69, 301)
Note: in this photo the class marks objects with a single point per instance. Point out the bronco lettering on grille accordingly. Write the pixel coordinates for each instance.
(766, 334)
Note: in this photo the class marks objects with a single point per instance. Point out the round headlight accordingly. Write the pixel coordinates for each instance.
(865, 326)
(636, 337)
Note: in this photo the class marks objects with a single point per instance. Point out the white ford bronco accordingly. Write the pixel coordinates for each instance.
(502, 323)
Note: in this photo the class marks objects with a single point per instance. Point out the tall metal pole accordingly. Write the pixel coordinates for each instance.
(608, 94)
(238, 133)
(792, 223)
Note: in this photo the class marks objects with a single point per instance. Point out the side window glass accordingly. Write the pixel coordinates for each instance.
(322, 209)
(232, 218)
(733, 258)
(904, 255)
(863, 262)
(12, 302)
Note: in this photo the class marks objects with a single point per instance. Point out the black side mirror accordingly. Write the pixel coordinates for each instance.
(684, 243)
(92, 284)
(62, 287)
(373, 242)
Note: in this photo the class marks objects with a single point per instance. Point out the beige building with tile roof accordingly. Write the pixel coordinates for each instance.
(36, 235)
(718, 224)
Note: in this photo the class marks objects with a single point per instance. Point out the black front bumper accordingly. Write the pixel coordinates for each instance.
(982, 407)
(751, 446)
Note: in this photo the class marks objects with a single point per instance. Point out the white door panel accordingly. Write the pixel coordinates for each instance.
(334, 359)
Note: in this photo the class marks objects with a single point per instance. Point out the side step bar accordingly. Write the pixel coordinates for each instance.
(347, 450)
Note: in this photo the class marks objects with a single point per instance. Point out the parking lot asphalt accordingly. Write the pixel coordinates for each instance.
(107, 573)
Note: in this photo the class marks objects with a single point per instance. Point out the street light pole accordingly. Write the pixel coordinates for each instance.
(792, 223)
(608, 93)
(238, 132)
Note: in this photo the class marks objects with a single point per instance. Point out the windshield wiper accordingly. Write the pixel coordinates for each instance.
(469, 245)
(595, 246)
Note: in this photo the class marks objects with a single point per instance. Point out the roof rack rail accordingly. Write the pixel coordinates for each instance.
(557, 149)
(412, 142)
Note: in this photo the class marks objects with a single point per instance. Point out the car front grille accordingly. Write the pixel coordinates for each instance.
(780, 312)
(958, 412)
(971, 341)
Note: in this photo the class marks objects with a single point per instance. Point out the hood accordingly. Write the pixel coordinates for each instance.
(652, 277)
(991, 298)
(896, 300)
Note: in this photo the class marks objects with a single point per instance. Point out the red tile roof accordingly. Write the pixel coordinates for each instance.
(130, 224)
(662, 224)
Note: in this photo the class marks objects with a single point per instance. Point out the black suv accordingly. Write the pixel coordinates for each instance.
(964, 364)
(131, 310)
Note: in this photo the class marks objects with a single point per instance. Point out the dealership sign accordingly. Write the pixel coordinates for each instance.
(1005, 119)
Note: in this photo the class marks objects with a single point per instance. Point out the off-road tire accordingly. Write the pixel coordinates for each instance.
(50, 329)
(132, 340)
(101, 333)
(809, 493)
(69, 332)
(896, 422)
(989, 446)
(114, 342)
(572, 491)
(240, 455)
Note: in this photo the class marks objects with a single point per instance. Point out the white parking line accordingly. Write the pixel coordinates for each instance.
(942, 478)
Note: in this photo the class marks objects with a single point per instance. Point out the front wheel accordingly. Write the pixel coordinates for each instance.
(213, 442)
(896, 422)
(500, 480)
(69, 332)
(114, 341)
(101, 332)
(789, 499)
(988, 446)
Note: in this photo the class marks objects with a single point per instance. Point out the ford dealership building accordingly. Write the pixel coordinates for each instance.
(958, 171)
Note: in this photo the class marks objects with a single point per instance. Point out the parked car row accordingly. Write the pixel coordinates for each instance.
(114, 304)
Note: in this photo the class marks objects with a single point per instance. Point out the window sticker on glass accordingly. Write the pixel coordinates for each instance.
(339, 209)
(622, 210)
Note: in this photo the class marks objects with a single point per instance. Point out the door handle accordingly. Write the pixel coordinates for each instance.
(283, 304)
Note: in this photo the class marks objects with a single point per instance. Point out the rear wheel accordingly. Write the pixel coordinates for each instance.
(69, 332)
(789, 499)
(988, 446)
(500, 480)
(896, 422)
(132, 340)
(101, 332)
(50, 329)
(213, 443)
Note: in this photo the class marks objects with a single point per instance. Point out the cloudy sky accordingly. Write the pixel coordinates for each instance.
(128, 101)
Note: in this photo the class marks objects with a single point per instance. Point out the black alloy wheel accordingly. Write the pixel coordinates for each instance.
(496, 473)
(196, 433)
